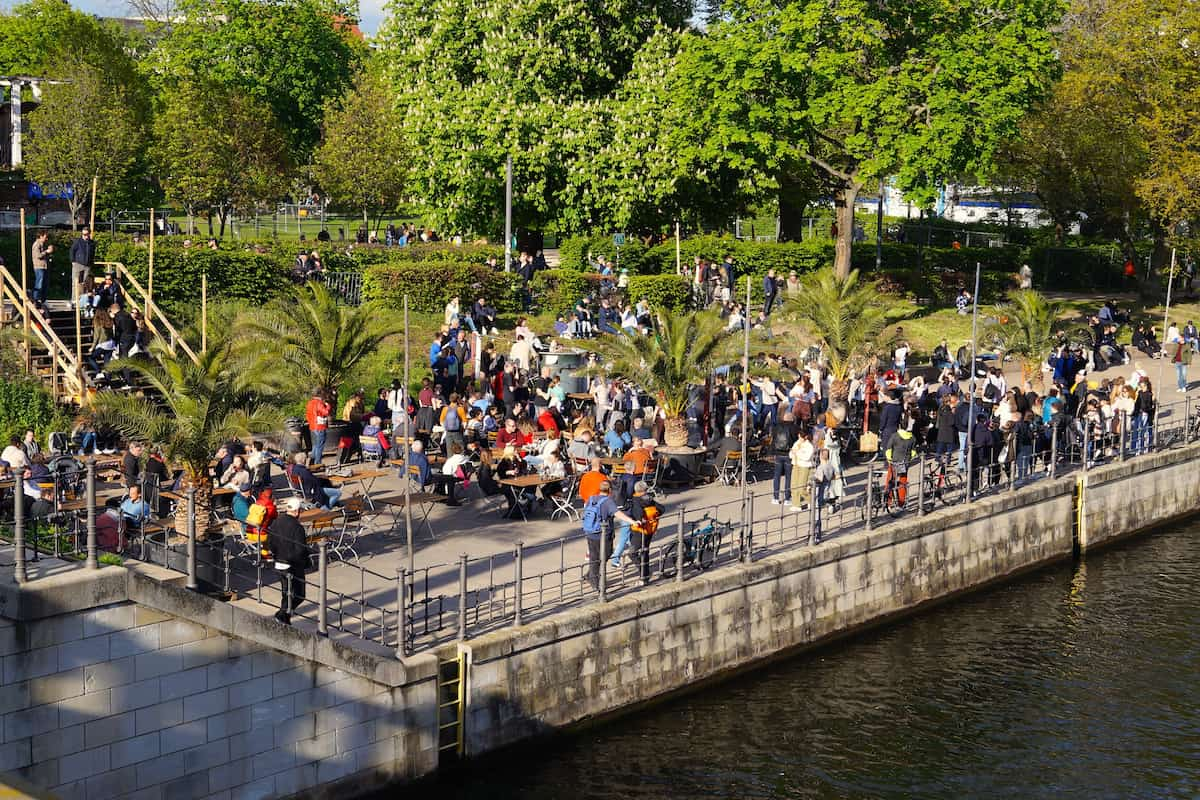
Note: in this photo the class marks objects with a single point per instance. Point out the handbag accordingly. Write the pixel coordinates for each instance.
(868, 442)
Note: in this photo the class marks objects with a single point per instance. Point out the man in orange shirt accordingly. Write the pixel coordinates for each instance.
(317, 414)
(637, 463)
(589, 482)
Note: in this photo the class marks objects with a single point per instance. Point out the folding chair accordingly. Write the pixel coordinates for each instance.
(564, 500)
(351, 526)
(730, 471)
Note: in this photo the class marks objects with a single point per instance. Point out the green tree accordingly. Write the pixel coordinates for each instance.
(676, 356)
(361, 158)
(531, 80)
(846, 317)
(197, 409)
(860, 90)
(289, 55)
(307, 340)
(217, 150)
(67, 146)
(1026, 327)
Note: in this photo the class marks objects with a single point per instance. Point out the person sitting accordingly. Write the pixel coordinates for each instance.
(1145, 340)
(239, 506)
(510, 435)
(14, 456)
(135, 510)
(616, 440)
(560, 325)
(235, 474)
(962, 303)
(484, 316)
(455, 470)
(418, 459)
(553, 469)
(485, 474)
(581, 447)
(510, 465)
(640, 430)
(315, 490)
(589, 482)
(257, 534)
(941, 356)
(637, 464)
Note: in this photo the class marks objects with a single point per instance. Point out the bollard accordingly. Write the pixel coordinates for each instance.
(1054, 452)
(285, 593)
(1087, 442)
(814, 510)
(921, 486)
(462, 597)
(401, 614)
(679, 549)
(19, 530)
(973, 483)
(1012, 467)
(93, 560)
(1124, 430)
(869, 515)
(227, 559)
(749, 531)
(192, 583)
(1187, 420)
(518, 566)
(322, 585)
(604, 566)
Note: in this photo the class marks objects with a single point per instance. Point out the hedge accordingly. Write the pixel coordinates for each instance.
(559, 289)
(26, 404)
(430, 284)
(662, 291)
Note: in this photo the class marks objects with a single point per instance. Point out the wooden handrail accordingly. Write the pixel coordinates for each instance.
(173, 338)
(62, 356)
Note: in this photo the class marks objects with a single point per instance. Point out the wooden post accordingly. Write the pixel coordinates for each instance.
(150, 275)
(678, 259)
(204, 312)
(92, 217)
(25, 296)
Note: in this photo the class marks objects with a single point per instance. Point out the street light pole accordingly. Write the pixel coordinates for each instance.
(508, 214)
(971, 385)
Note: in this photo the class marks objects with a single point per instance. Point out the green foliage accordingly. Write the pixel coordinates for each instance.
(307, 339)
(26, 404)
(430, 285)
(289, 55)
(1026, 326)
(66, 146)
(110, 559)
(560, 289)
(846, 316)
(668, 292)
(359, 160)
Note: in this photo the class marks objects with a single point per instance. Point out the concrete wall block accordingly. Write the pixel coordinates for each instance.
(375, 754)
(189, 787)
(184, 684)
(85, 764)
(268, 662)
(222, 726)
(231, 774)
(237, 647)
(206, 651)
(108, 730)
(256, 790)
(14, 697)
(137, 695)
(356, 736)
(85, 708)
(317, 748)
(160, 770)
(135, 750)
(291, 681)
(341, 716)
(296, 780)
(16, 754)
(108, 673)
(55, 744)
(149, 793)
(206, 704)
(27, 664)
(114, 783)
(76, 790)
(30, 722)
(180, 631)
(329, 675)
(233, 670)
(133, 641)
(271, 762)
(336, 768)
(55, 630)
(206, 756)
(158, 662)
(11, 639)
(158, 716)
(109, 619)
(144, 615)
(270, 713)
(41, 773)
(183, 736)
(250, 692)
(295, 729)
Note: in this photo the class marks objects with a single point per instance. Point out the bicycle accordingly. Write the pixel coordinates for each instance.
(700, 546)
(942, 485)
(887, 497)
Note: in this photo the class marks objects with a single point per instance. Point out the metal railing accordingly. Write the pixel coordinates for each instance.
(415, 611)
(66, 381)
(156, 320)
(346, 286)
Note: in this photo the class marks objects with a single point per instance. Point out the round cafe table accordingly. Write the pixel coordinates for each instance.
(687, 459)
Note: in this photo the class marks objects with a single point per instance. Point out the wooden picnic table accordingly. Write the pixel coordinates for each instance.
(422, 501)
(525, 486)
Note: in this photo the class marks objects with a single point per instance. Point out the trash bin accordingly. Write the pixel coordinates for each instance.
(296, 438)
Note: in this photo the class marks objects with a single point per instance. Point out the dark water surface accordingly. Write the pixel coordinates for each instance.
(1081, 681)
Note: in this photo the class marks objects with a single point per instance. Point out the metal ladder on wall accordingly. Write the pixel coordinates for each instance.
(451, 694)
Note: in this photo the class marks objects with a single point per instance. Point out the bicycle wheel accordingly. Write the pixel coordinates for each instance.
(668, 561)
(708, 553)
(891, 502)
(952, 490)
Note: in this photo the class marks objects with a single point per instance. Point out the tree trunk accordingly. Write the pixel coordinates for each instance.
(1150, 287)
(210, 227)
(844, 206)
(75, 207)
(223, 213)
(675, 433)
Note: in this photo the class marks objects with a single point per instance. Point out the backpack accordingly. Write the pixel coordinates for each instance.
(256, 515)
(593, 519)
(453, 420)
(649, 524)
(991, 393)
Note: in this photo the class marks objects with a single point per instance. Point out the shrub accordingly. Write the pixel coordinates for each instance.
(430, 284)
(26, 404)
(633, 255)
(662, 291)
(559, 289)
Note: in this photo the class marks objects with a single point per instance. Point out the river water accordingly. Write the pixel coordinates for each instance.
(1079, 681)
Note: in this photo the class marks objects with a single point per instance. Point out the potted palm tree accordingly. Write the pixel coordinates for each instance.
(191, 410)
(846, 317)
(307, 339)
(1026, 326)
(679, 353)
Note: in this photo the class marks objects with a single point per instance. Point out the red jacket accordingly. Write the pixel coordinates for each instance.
(317, 408)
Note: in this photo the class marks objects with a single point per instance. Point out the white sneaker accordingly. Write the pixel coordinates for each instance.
(795, 509)
(776, 501)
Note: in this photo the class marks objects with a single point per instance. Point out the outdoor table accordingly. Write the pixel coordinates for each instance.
(365, 478)
(422, 501)
(689, 460)
(579, 400)
(526, 485)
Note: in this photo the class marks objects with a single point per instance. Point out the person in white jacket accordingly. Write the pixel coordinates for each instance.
(802, 454)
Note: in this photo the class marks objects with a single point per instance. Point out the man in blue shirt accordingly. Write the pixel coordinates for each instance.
(616, 440)
(418, 459)
(134, 509)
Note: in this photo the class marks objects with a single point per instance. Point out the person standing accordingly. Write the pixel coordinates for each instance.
(801, 454)
(317, 414)
(83, 258)
(287, 544)
(124, 330)
(42, 250)
(770, 291)
(783, 434)
(598, 516)
(1181, 356)
(727, 268)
